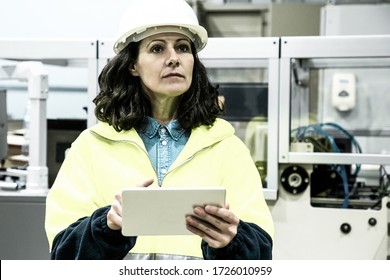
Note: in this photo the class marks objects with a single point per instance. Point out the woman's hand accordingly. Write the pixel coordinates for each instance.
(114, 215)
(217, 225)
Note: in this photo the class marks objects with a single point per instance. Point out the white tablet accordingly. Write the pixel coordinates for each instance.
(162, 211)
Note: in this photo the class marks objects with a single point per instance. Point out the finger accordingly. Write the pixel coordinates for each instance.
(200, 227)
(190, 225)
(211, 235)
(145, 183)
(114, 215)
(223, 220)
(118, 196)
(117, 204)
(208, 226)
(114, 221)
(219, 217)
(218, 225)
(223, 213)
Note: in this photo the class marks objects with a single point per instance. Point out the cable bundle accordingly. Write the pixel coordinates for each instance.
(311, 132)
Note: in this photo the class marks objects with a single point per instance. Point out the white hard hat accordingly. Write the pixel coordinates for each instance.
(148, 17)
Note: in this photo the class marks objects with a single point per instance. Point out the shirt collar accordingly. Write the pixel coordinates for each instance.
(151, 126)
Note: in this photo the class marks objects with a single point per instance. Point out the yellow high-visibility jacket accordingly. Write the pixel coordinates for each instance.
(102, 162)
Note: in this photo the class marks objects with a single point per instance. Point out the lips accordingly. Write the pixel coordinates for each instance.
(173, 75)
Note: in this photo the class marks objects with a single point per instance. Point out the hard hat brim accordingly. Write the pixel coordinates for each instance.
(196, 33)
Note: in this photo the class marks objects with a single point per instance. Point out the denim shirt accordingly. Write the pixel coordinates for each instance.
(163, 144)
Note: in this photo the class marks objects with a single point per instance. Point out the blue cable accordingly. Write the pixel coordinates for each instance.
(301, 133)
(353, 140)
(342, 172)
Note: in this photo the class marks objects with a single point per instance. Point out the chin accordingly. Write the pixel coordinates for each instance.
(174, 91)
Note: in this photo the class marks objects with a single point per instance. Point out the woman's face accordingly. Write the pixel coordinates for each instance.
(164, 65)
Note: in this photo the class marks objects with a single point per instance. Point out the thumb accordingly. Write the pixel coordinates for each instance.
(146, 183)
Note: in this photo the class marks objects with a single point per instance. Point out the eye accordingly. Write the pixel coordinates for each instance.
(156, 49)
(185, 48)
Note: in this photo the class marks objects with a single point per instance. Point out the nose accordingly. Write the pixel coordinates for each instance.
(174, 63)
(173, 59)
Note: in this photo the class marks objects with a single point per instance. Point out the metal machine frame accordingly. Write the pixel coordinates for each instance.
(333, 47)
(32, 54)
(37, 79)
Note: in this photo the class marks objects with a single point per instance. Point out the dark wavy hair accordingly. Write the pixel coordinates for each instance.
(122, 103)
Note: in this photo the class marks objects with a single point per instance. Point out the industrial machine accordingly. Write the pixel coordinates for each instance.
(3, 126)
(23, 191)
(36, 76)
(333, 196)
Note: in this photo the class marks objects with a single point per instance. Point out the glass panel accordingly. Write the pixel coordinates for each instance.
(342, 107)
(244, 92)
(354, 99)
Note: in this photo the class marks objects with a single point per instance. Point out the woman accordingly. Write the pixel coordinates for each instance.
(159, 127)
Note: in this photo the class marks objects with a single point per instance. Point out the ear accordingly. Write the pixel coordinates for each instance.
(133, 70)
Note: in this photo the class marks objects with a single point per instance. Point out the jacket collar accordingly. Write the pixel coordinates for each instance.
(204, 137)
(200, 138)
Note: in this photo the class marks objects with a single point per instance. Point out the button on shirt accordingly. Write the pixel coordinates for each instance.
(163, 144)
